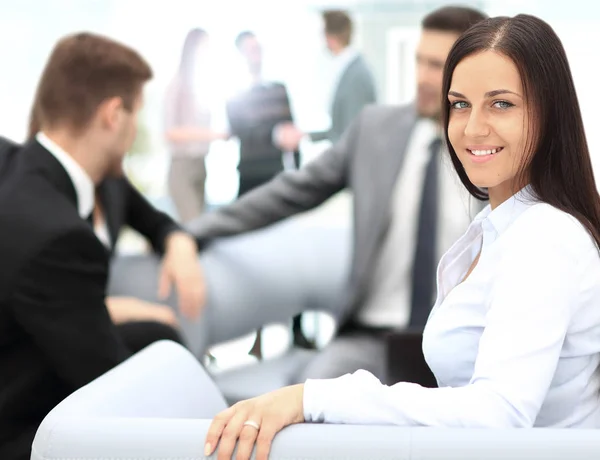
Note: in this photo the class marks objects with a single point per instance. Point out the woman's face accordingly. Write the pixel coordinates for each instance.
(488, 122)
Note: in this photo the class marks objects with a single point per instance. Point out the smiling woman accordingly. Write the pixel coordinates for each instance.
(486, 125)
(530, 258)
(523, 101)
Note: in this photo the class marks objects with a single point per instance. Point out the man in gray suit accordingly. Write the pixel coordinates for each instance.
(354, 88)
(409, 207)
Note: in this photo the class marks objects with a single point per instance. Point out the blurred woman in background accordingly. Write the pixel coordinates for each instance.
(188, 126)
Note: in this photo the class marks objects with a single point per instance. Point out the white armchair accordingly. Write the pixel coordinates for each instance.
(157, 406)
(154, 405)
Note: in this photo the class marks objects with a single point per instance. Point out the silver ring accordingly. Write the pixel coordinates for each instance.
(252, 423)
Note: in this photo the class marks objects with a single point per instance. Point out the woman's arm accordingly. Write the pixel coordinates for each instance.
(530, 309)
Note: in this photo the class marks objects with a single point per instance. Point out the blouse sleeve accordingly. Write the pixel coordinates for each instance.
(529, 313)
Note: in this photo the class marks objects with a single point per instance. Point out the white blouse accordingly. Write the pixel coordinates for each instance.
(516, 344)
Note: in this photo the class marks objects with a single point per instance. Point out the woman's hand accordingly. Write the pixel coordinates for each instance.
(255, 421)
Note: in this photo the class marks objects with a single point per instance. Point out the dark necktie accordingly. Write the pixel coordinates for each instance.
(425, 262)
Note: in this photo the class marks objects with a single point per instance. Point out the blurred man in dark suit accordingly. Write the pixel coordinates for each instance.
(56, 334)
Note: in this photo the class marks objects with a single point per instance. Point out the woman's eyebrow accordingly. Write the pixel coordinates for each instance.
(493, 93)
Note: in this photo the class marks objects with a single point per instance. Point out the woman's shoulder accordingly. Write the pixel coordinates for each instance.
(547, 224)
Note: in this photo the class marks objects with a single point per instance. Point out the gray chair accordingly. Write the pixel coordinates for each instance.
(157, 406)
(256, 379)
(264, 277)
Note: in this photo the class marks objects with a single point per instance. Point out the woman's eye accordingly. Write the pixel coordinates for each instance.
(459, 105)
(503, 104)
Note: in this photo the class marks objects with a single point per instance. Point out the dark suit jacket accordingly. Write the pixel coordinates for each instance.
(125, 206)
(55, 332)
(252, 115)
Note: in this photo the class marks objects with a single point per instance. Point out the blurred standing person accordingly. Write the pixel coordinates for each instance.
(260, 117)
(353, 84)
(188, 126)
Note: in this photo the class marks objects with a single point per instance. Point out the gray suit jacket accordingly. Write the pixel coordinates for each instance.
(367, 160)
(355, 90)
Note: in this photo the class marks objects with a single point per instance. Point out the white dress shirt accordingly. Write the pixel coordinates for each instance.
(82, 183)
(515, 344)
(389, 294)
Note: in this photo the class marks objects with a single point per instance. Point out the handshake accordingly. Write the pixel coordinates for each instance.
(287, 137)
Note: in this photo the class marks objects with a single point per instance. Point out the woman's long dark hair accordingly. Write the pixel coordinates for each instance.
(558, 167)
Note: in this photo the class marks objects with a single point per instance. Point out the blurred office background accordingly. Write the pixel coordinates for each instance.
(294, 53)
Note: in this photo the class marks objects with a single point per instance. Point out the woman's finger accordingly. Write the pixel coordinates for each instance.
(216, 430)
(231, 433)
(248, 435)
(265, 437)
